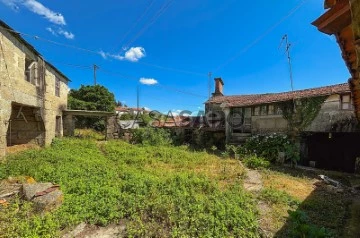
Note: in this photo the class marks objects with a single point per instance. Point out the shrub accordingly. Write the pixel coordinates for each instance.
(254, 162)
(301, 226)
(151, 136)
(269, 146)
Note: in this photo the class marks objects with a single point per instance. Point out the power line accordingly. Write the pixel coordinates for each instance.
(157, 15)
(268, 31)
(173, 70)
(100, 54)
(52, 42)
(138, 20)
(85, 67)
(157, 85)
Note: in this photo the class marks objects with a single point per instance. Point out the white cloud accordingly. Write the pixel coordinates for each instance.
(38, 8)
(134, 54)
(67, 34)
(60, 31)
(148, 81)
(11, 3)
(49, 29)
(103, 54)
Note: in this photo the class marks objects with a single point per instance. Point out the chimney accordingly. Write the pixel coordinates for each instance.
(219, 84)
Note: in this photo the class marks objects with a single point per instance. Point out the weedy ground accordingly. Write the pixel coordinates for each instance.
(159, 191)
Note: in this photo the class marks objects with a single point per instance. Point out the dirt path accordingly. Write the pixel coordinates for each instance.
(253, 183)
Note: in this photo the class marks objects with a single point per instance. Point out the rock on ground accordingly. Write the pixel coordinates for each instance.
(30, 190)
(46, 196)
(91, 231)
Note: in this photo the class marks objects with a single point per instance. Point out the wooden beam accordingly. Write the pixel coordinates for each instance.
(88, 113)
(335, 19)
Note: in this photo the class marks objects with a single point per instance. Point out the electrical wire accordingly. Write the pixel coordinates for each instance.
(157, 85)
(257, 40)
(86, 67)
(157, 15)
(173, 70)
(137, 21)
(99, 53)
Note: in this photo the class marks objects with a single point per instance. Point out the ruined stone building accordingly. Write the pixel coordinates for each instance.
(33, 94)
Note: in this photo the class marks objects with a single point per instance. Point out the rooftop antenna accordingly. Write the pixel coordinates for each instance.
(285, 39)
(287, 50)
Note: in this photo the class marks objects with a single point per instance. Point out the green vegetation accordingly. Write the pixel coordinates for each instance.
(94, 98)
(254, 162)
(151, 136)
(160, 191)
(300, 113)
(89, 134)
(269, 146)
(278, 197)
(302, 227)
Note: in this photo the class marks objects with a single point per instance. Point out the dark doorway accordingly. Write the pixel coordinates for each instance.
(58, 126)
(26, 126)
(333, 151)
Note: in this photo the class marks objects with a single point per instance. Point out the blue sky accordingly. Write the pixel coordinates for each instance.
(176, 43)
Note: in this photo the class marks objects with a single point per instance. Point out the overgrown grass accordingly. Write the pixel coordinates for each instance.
(160, 191)
(300, 209)
(89, 134)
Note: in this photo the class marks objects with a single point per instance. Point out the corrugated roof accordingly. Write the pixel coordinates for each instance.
(258, 99)
(30, 47)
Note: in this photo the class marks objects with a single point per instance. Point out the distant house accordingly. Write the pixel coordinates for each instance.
(33, 93)
(247, 115)
(129, 110)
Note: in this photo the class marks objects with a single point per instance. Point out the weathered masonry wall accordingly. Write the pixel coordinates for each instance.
(333, 119)
(330, 118)
(15, 90)
(25, 126)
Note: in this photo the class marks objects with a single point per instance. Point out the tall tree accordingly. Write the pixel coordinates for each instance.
(94, 98)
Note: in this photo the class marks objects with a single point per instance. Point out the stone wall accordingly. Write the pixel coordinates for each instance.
(268, 124)
(332, 119)
(14, 89)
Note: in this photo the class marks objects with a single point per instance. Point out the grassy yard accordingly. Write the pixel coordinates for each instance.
(158, 191)
(162, 191)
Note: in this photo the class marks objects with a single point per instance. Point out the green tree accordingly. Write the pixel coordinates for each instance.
(93, 98)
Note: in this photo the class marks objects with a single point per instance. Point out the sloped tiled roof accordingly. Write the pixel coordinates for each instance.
(257, 99)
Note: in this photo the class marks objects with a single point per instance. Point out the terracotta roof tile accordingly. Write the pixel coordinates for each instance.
(257, 99)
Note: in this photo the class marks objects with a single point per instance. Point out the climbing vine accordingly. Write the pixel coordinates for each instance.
(300, 115)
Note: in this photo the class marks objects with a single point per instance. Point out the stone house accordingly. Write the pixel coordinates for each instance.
(335, 124)
(33, 94)
(342, 19)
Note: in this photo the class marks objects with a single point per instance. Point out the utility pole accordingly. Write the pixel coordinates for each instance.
(95, 68)
(138, 97)
(209, 84)
(287, 50)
